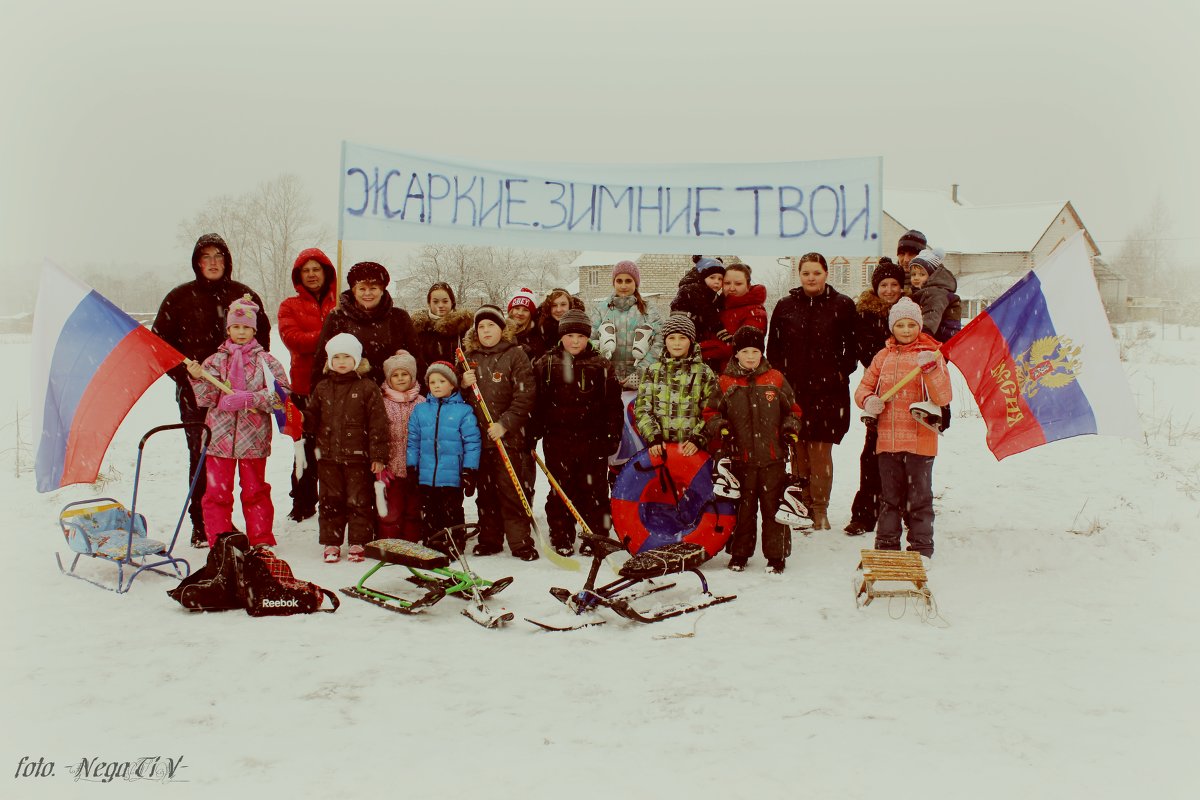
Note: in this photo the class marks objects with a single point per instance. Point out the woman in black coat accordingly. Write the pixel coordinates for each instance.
(811, 340)
(366, 311)
(887, 286)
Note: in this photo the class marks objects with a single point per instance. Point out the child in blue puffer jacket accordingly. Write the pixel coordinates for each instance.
(443, 449)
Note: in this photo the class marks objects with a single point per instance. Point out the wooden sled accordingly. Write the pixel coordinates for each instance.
(893, 567)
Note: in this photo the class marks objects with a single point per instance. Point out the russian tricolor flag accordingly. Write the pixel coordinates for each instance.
(1041, 360)
(91, 362)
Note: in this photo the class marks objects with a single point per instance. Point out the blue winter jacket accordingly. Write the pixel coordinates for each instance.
(443, 440)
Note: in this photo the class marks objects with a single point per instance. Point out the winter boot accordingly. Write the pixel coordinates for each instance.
(927, 414)
(642, 335)
(527, 553)
(856, 528)
(608, 340)
(737, 564)
(199, 538)
(725, 483)
(332, 554)
(792, 511)
(356, 554)
(775, 566)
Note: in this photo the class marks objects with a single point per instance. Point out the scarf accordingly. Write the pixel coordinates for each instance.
(241, 363)
(399, 407)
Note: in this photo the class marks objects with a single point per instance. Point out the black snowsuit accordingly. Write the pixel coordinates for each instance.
(191, 318)
(578, 417)
(346, 412)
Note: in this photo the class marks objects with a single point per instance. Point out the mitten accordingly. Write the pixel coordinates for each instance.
(873, 406)
(725, 336)
(381, 498)
(301, 458)
(927, 360)
(237, 401)
(468, 481)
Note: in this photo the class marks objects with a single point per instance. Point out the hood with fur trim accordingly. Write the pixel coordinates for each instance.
(454, 322)
(471, 338)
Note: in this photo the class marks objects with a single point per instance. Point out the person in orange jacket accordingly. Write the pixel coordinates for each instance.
(906, 448)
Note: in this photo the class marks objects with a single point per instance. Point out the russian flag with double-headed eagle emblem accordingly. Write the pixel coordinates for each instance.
(1041, 361)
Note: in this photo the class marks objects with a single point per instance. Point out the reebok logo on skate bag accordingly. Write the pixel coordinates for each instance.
(272, 589)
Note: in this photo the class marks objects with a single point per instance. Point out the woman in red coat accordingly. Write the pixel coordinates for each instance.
(300, 320)
(745, 304)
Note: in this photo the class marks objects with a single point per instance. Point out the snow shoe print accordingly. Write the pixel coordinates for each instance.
(642, 335)
(608, 340)
(356, 554)
(332, 554)
(792, 511)
(927, 414)
(725, 483)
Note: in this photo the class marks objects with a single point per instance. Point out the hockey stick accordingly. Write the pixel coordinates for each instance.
(547, 551)
(562, 495)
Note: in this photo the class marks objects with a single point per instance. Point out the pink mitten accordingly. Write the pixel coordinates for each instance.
(237, 401)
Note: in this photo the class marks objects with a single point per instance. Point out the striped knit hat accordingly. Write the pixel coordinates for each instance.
(928, 259)
(444, 369)
(679, 323)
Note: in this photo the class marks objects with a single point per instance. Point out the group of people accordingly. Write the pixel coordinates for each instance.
(405, 415)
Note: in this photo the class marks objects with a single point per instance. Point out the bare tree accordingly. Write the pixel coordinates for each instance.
(1142, 257)
(265, 229)
(483, 274)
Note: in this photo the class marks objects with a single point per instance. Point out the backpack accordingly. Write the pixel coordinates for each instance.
(239, 576)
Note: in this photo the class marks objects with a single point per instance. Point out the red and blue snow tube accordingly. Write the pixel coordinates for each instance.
(662, 501)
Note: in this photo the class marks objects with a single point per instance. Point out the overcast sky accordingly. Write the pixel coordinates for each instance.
(120, 119)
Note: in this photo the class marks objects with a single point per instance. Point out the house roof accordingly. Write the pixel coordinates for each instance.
(985, 285)
(601, 258)
(966, 228)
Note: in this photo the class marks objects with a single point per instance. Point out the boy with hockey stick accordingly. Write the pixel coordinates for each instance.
(578, 417)
(756, 406)
(504, 377)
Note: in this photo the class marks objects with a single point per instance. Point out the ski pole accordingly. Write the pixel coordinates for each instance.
(562, 561)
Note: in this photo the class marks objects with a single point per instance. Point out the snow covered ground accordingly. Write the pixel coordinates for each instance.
(1063, 661)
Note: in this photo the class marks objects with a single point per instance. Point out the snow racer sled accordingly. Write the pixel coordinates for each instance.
(431, 571)
(635, 579)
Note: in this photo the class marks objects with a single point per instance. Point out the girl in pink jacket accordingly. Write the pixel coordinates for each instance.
(241, 426)
(906, 448)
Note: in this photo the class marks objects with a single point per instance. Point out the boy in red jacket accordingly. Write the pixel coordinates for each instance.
(906, 448)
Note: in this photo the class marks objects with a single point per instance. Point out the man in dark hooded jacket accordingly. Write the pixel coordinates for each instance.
(191, 319)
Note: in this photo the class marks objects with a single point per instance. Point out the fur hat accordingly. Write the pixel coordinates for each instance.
(748, 336)
(574, 321)
(904, 309)
(627, 267)
(242, 311)
(913, 241)
(368, 271)
(523, 297)
(886, 269)
(444, 369)
(709, 266)
(928, 259)
(344, 343)
(490, 312)
(402, 360)
(679, 323)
